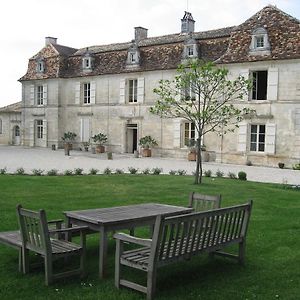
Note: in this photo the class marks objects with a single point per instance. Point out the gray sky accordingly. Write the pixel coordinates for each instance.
(76, 23)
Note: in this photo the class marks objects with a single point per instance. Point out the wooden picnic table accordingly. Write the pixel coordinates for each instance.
(104, 220)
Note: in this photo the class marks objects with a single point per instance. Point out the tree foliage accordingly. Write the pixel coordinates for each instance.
(201, 93)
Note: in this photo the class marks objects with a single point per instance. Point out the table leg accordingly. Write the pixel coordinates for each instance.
(102, 252)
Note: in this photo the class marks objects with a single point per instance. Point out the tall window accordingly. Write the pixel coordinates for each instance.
(40, 95)
(189, 133)
(257, 138)
(86, 93)
(132, 97)
(259, 85)
(39, 129)
(0, 126)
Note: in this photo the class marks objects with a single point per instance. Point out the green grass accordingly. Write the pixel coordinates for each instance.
(272, 269)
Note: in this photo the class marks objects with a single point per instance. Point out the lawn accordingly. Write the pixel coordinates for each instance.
(272, 269)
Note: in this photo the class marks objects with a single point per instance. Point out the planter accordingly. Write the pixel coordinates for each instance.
(281, 165)
(109, 155)
(192, 156)
(146, 152)
(100, 149)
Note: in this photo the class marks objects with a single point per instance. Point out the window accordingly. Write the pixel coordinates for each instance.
(17, 131)
(132, 97)
(257, 138)
(86, 93)
(260, 42)
(40, 95)
(259, 85)
(189, 133)
(40, 66)
(0, 126)
(190, 51)
(39, 129)
(189, 93)
(132, 57)
(86, 63)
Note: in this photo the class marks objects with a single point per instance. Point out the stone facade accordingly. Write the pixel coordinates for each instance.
(109, 89)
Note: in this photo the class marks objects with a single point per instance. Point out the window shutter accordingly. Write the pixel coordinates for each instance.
(45, 132)
(122, 90)
(31, 133)
(245, 73)
(177, 133)
(77, 92)
(242, 137)
(93, 92)
(45, 94)
(141, 90)
(31, 94)
(270, 138)
(84, 130)
(272, 84)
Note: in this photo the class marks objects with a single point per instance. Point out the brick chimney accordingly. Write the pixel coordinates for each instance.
(187, 23)
(140, 33)
(50, 40)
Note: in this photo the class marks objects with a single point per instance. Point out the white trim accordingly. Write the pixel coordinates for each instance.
(122, 90)
(272, 91)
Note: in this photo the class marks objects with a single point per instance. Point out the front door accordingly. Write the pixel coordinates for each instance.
(131, 138)
(39, 133)
(16, 135)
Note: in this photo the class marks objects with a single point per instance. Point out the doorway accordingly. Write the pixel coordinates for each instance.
(131, 132)
(16, 135)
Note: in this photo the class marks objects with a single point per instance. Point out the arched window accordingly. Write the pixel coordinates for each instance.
(259, 42)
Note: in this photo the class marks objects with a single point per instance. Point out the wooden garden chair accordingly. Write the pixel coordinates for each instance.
(35, 237)
(201, 202)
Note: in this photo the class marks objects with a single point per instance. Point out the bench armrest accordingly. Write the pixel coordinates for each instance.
(55, 221)
(70, 229)
(132, 239)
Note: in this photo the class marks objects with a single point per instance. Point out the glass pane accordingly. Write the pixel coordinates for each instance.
(252, 146)
(261, 147)
(254, 129)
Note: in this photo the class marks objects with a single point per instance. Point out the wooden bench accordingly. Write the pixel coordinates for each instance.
(179, 238)
(202, 202)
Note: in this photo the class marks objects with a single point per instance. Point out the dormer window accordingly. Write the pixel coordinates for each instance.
(87, 61)
(260, 42)
(40, 66)
(133, 56)
(190, 49)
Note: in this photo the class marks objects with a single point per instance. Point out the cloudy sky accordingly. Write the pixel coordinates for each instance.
(76, 23)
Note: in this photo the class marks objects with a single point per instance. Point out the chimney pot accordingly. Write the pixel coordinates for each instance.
(50, 40)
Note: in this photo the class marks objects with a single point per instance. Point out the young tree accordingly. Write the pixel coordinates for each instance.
(202, 94)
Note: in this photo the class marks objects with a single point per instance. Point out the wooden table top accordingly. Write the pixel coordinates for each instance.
(118, 214)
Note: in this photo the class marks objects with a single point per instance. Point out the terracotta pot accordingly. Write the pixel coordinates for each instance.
(100, 149)
(147, 152)
(192, 156)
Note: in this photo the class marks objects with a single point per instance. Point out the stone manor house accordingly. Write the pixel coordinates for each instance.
(109, 89)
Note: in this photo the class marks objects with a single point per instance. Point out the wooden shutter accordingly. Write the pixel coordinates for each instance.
(31, 133)
(270, 138)
(84, 130)
(93, 92)
(77, 92)
(31, 94)
(141, 90)
(177, 133)
(45, 132)
(245, 74)
(45, 94)
(122, 90)
(242, 137)
(272, 91)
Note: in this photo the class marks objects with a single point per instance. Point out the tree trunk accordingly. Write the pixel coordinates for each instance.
(198, 173)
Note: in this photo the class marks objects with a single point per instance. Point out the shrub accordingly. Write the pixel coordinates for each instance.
(78, 171)
(232, 175)
(132, 170)
(181, 172)
(219, 173)
(20, 171)
(93, 171)
(296, 167)
(37, 172)
(68, 173)
(107, 171)
(207, 173)
(52, 172)
(119, 171)
(156, 171)
(146, 171)
(3, 171)
(242, 175)
(173, 172)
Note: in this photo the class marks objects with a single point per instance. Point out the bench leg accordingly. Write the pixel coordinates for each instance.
(151, 284)
(118, 267)
(48, 271)
(242, 249)
(20, 260)
(25, 260)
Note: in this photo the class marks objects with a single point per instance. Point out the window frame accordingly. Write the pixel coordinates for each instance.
(39, 129)
(133, 90)
(188, 133)
(86, 93)
(257, 138)
(257, 85)
(39, 95)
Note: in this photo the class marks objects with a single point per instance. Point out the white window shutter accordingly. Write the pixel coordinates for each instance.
(31, 94)
(84, 130)
(77, 92)
(31, 133)
(242, 137)
(141, 90)
(93, 92)
(45, 132)
(245, 73)
(177, 133)
(45, 94)
(272, 84)
(122, 90)
(270, 138)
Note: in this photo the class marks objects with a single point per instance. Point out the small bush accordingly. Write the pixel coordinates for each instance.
(3, 171)
(219, 173)
(172, 172)
(296, 167)
(68, 173)
(181, 172)
(146, 171)
(37, 172)
(78, 171)
(93, 171)
(20, 171)
(107, 171)
(52, 172)
(119, 171)
(156, 171)
(232, 175)
(207, 173)
(132, 170)
(242, 175)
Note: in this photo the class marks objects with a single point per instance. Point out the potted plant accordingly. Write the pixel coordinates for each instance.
(100, 139)
(192, 155)
(86, 146)
(147, 142)
(68, 138)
